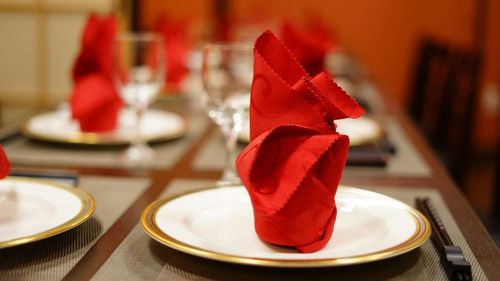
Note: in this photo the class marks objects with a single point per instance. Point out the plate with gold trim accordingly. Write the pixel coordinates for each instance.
(58, 126)
(361, 131)
(32, 209)
(217, 224)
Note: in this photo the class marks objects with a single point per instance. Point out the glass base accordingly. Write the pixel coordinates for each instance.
(228, 178)
(140, 155)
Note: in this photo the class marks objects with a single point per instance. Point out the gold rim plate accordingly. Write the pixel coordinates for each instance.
(84, 213)
(370, 131)
(417, 234)
(65, 131)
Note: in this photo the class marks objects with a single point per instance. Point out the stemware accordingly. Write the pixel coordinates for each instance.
(227, 72)
(139, 72)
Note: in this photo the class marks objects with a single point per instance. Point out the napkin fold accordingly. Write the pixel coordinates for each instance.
(309, 45)
(293, 164)
(4, 164)
(94, 101)
(175, 36)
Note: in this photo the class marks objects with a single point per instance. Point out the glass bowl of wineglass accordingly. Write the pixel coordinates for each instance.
(227, 72)
(139, 66)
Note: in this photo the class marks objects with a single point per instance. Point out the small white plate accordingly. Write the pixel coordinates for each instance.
(57, 126)
(31, 210)
(360, 131)
(218, 224)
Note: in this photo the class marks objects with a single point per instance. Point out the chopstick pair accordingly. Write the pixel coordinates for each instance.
(367, 158)
(451, 256)
(376, 155)
(68, 177)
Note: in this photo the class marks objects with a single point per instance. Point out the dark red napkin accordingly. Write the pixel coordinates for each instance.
(94, 100)
(309, 45)
(295, 159)
(4, 164)
(176, 41)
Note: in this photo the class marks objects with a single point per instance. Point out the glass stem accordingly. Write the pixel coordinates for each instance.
(138, 140)
(231, 136)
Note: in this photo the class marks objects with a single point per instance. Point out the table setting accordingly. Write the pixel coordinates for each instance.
(284, 173)
(96, 124)
(190, 230)
(140, 256)
(96, 112)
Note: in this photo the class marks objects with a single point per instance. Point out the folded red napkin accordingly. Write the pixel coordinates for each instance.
(295, 159)
(4, 164)
(94, 100)
(177, 47)
(309, 45)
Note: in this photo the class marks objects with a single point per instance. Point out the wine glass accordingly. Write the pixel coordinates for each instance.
(227, 72)
(139, 73)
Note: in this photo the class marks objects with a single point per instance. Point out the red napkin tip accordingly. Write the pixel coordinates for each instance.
(175, 35)
(308, 44)
(95, 104)
(94, 101)
(4, 164)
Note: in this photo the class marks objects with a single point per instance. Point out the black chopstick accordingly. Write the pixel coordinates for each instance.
(65, 176)
(372, 158)
(451, 256)
(387, 145)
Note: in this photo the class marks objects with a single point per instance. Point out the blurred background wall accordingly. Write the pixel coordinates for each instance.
(384, 35)
(40, 39)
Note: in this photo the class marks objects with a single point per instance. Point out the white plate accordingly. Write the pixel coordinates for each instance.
(57, 126)
(218, 224)
(360, 131)
(31, 210)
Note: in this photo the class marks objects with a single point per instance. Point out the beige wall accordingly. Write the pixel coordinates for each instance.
(39, 42)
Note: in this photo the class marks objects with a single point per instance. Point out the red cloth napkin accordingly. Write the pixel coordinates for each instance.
(295, 159)
(4, 164)
(176, 47)
(309, 45)
(94, 100)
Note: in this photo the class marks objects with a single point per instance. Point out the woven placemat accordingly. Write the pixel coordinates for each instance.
(22, 151)
(406, 162)
(53, 258)
(141, 258)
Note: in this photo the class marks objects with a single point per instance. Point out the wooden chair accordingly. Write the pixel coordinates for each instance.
(442, 101)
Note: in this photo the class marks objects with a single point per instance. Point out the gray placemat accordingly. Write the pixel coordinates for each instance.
(133, 259)
(406, 162)
(141, 258)
(53, 258)
(25, 152)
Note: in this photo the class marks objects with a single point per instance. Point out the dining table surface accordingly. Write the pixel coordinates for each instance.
(116, 246)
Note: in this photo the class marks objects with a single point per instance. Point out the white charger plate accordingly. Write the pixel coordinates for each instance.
(218, 224)
(31, 210)
(360, 131)
(57, 126)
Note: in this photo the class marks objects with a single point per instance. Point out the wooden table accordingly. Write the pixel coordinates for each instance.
(476, 235)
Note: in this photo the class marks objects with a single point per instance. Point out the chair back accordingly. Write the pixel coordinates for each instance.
(442, 101)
